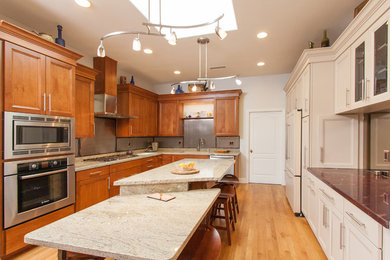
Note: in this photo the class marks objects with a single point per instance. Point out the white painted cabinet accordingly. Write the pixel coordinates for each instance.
(337, 139)
(324, 234)
(343, 82)
(357, 246)
(337, 232)
(306, 85)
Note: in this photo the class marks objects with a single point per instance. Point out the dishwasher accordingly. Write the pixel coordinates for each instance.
(224, 157)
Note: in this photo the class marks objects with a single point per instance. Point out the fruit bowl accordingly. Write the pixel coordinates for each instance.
(187, 166)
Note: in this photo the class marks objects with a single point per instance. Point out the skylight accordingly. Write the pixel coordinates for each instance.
(189, 12)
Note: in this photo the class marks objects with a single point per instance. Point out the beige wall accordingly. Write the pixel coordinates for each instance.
(258, 94)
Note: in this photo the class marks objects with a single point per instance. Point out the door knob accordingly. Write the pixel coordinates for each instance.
(251, 151)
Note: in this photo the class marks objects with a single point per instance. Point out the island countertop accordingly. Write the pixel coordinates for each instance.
(210, 170)
(130, 227)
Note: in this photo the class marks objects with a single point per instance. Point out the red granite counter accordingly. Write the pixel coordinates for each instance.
(366, 191)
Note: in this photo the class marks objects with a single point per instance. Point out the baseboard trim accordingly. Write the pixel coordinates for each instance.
(243, 180)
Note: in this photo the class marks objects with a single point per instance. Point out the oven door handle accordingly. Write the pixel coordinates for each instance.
(41, 174)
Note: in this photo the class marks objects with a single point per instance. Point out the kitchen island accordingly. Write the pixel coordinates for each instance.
(130, 227)
(162, 180)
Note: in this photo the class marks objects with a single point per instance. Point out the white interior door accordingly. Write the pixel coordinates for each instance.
(266, 147)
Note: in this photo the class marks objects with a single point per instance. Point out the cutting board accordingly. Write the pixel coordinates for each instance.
(183, 172)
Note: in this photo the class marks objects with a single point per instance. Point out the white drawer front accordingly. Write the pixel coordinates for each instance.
(364, 223)
(335, 199)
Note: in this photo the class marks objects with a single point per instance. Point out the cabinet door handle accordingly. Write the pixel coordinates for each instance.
(306, 104)
(44, 101)
(304, 158)
(366, 89)
(323, 215)
(341, 236)
(131, 130)
(109, 180)
(363, 89)
(327, 195)
(356, 220)
(50, 102)
(347, 97)
(94, 173)
(322, 154)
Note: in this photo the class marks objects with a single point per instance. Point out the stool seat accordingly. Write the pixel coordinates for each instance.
(229, 179)
(204, 244)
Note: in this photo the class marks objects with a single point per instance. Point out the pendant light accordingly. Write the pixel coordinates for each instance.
(136, 44)
(172, 38)
(221, 33)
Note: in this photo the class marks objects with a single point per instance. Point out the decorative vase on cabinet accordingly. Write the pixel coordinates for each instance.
(59, 40)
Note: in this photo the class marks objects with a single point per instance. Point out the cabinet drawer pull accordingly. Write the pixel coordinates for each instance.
(49, 102)
(356, 220)
(149, 166)
(150, 160)
(109, 180)
(94, 173)
(328, 196)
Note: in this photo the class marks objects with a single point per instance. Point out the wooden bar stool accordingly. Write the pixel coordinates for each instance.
(204, 244)
(231, 179)
(225, 200)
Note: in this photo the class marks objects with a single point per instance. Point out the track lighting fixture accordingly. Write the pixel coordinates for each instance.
(172, 38)
(136, 44)
(100, 50)
(221, 33)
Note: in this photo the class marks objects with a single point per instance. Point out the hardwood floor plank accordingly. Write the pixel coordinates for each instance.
(266, 229)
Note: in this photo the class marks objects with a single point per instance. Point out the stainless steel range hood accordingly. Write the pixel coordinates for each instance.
(106, 107)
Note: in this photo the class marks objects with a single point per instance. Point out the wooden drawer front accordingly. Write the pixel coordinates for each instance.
(114, 176)
(166, 159)
(335, 199)
(126, 165)
(178, 157)
(95, 172)
(148, 166)
(364, 223)
(14, 237)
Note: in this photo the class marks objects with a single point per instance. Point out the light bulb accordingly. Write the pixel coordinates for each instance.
(172, 38)
(238, 82)
(193, 88)
(173, 90)
(136, 44)
(262, 35)
(221, 33)
(83, 3)
(148, 51)
(100, 50)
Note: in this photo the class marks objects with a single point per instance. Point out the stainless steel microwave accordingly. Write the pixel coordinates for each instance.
(28, 135)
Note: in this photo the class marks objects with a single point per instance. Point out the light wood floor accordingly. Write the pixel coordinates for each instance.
(266, 229)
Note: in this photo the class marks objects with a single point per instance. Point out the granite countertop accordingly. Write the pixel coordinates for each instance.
(366, 191)
(129, 227)
(81, 165)
(210, 170)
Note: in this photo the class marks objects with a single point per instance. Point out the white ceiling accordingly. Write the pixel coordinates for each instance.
(290, 24)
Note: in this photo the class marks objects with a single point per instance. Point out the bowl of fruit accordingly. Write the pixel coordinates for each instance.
(187, 166)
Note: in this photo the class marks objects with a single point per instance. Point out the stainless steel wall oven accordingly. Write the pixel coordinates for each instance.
(35, 187)
(28, 135)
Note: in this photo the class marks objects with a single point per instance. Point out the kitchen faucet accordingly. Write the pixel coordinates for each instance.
(200, 143)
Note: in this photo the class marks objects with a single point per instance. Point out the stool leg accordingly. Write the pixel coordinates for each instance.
(234, 210)
(236, 200)
(227, 220)
(231, 216)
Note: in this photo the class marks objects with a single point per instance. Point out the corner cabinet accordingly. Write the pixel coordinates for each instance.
(226, 117)
(84, 99)
(39, 76)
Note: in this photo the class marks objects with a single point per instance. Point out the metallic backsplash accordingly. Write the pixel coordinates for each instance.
(104, 140)
(169, 142)
(132, 143)
(232, 142)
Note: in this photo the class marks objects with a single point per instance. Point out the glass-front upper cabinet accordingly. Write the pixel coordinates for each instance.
(381, 59)
(360, 73)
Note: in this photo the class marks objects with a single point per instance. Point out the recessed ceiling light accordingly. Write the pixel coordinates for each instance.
(177, 72)
(148, 51)
(262, 35)
(261, 63)
(83, 3)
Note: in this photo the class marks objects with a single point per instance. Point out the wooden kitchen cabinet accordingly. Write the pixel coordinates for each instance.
(106, 80)
(114, 176)
(178, 157)
(24, 79)
(60, 88)
(169, 118)
(84, 99)
(135, 101)
(39, 76)
(92, 186)
(226, 117)
(166, 159)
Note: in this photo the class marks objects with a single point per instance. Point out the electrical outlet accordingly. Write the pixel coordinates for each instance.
(386, 154)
